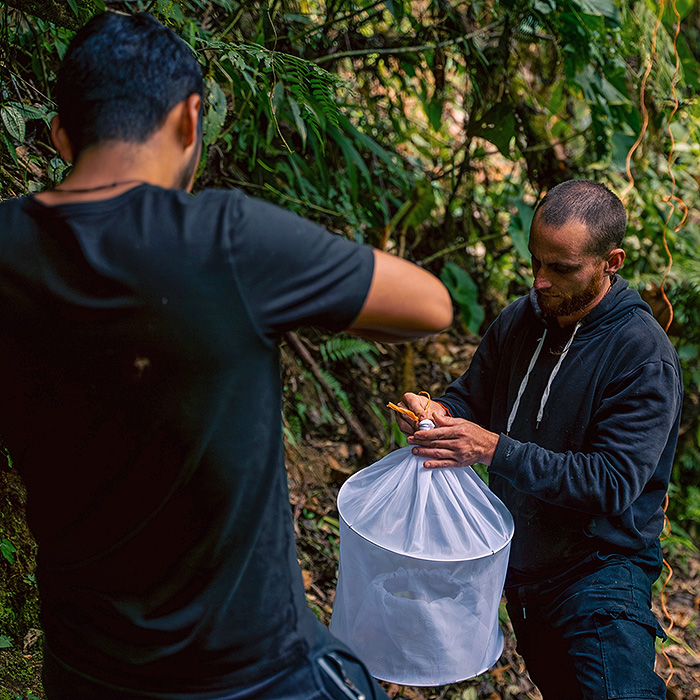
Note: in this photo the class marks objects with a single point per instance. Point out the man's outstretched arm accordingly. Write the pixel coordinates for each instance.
(404, 302)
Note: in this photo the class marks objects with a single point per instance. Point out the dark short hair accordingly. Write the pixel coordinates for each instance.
(120, 77)
(590, 203)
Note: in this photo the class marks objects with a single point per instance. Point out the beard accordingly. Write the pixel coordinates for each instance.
(570, 304)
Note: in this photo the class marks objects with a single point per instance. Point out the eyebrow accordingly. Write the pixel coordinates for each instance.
(556, 263)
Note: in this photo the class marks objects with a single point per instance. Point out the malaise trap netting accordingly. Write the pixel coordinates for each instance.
(423, 556)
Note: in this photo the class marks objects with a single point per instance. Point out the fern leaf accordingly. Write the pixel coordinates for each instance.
(345, 348)
(340, 394)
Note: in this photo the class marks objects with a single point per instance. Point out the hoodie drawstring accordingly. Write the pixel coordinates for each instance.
(523, 384)
(545, 395)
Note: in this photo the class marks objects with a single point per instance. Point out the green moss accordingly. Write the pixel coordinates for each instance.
(16, 669)
(20, 674)
(19, 597)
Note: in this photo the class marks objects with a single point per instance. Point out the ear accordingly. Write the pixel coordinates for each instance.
(614, 260)
(59, 137)
(189, 119)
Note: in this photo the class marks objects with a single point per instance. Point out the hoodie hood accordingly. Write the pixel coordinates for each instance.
(618, 302)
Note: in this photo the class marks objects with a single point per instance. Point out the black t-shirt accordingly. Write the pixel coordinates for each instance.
(141, 402)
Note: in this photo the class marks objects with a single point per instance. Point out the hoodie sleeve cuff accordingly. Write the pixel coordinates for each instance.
(454, 409)
(506, 457)
(447, 408)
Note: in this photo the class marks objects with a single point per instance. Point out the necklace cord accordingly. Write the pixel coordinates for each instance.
(84, 190)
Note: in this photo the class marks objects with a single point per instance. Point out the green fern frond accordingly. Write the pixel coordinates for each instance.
(341, 348)
(292, 429)
(337, 390)
(310, 85)
(688, 270)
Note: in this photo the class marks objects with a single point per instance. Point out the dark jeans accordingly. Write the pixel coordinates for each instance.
(330, 672)
(589, 634)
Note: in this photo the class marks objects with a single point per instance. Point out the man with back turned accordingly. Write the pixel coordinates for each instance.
(142, 396)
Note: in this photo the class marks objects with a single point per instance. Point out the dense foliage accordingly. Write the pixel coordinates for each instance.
(428, 128)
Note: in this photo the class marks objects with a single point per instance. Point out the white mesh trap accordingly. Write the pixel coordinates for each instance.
(423, 556)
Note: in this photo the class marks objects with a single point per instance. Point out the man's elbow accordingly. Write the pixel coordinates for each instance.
(443, 312)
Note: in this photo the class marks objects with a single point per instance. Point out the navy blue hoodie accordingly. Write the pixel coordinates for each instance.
(584, 458)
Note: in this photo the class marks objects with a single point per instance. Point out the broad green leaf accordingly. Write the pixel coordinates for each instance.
(56, 169)
(417, 208)
(557, 99)
(61, 47)
(10, 147)
(29, 112)
(683, 7)
(396, 8)
(603, 8)
(215, 114)
(5, 642)
(302, 19)
(691, 66)
(544, 6)
(8, 550)
(621, 144)
(519, 229)
(465, 293)
(352, 156)
(13, 121)
(369, 143)
(434, 111)
(73, 6)
(496, 126)
(610, 94)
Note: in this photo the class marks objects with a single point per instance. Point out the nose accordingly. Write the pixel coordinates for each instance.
(541, 282)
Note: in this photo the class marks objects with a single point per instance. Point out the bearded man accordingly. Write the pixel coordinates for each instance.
(573, 400)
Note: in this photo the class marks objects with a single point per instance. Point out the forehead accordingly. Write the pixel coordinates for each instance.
(569, 242)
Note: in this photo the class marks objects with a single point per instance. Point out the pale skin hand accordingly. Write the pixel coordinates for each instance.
(422, 407)
(454, 442)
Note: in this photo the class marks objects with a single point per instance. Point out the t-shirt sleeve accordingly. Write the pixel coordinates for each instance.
(293, 272)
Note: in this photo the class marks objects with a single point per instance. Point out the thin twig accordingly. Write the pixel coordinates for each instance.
(406, 49)
(305, 356)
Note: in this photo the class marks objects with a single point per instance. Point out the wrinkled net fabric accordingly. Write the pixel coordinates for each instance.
(423, 556)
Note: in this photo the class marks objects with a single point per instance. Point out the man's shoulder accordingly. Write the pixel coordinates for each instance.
(645, 334)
